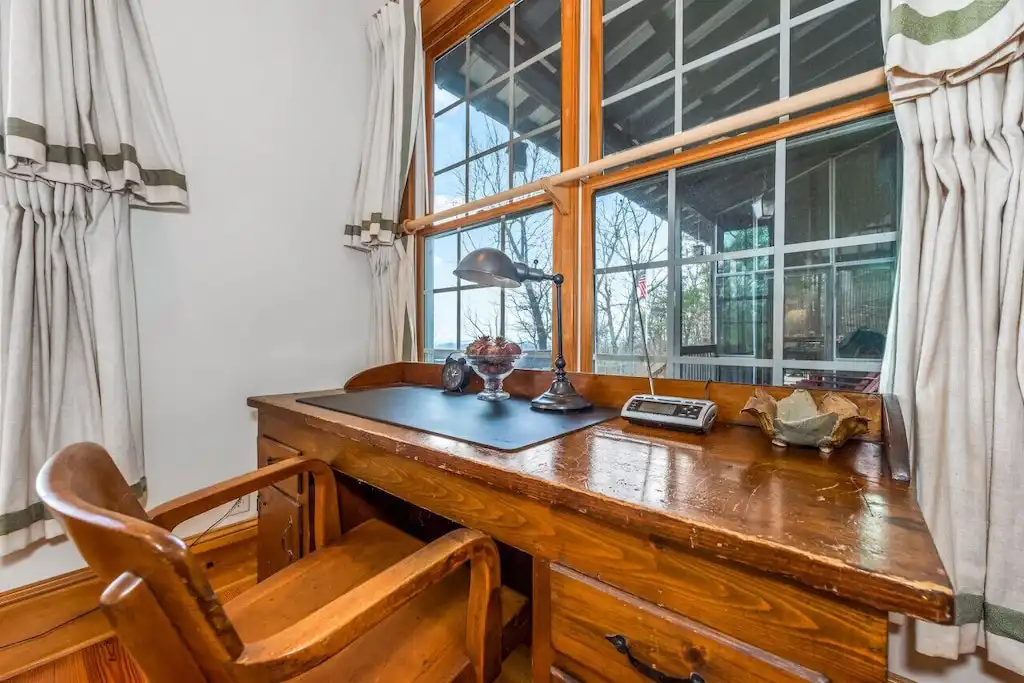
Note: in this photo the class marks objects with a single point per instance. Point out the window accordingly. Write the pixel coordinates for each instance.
(456, 312)
(740, 277)
(671, 65)
(497, 106)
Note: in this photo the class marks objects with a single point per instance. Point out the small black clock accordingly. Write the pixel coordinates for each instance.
(455, 374)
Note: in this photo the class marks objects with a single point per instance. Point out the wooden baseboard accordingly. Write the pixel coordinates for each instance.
(50, 619)
(893, 678)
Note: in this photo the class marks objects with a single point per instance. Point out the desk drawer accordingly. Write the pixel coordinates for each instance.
(623, 639)
(271, 452)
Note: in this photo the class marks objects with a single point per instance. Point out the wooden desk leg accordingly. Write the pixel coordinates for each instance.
(543, 657)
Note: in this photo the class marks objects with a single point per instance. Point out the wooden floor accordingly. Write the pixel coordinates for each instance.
(107, 662)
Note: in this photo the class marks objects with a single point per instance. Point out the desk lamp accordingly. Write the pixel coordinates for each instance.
(493, 268)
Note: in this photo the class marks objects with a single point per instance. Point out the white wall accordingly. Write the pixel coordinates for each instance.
(972, 668)
(251, 291)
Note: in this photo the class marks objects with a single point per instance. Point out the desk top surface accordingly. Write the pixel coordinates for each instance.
(840, 524)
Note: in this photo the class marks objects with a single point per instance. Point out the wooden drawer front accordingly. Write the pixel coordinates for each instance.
(271, 451)
(587, 615)
(279, 532)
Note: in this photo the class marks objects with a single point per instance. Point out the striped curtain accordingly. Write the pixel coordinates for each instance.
(393, 139)
(84, 132)
(956, 351)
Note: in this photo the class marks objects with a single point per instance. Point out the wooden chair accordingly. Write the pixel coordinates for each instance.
(373, 604)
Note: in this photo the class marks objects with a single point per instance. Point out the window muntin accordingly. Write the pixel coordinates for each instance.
(712, 241)
(456, 312)
(671, 65)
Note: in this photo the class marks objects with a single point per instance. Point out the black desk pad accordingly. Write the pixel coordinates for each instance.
(506, 425)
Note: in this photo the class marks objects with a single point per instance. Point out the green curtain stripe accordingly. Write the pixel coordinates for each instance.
(37, 512)
(949, 25)
(968, 608)
(90, 153)
(999, 621)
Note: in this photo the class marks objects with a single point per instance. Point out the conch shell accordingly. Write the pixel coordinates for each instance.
(797, 420)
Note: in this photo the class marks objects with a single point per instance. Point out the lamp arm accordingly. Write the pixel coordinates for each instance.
(525, 273)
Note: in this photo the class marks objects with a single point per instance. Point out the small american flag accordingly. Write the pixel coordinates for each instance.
(641, 286)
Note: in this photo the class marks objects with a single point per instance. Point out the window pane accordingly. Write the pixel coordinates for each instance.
(489, 118)
(441, 316)
(837, 311)
(450, 137)
(798, 7)
(538, 27)
(863, 302)
(852, 163)
(631, 225)
(744, 295)
(480, 315)
(723, 373)
(711, 26)
(612, 5)
(528, 239)
(538, 90)
(536, 157)
(727, 205)
(838, 45)
(450, 189)
(732, 84)
(440, 260)
(835, 380)
(450, 77)
(488, 175)
(639, 118)
(484, 236)
(617, 322)
(489, 51)
(639, 44)
(807, 326)
(870, 169)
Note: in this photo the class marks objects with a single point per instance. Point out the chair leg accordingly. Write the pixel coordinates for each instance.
(483, 627)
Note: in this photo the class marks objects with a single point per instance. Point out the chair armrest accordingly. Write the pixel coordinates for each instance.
(326, 518)
(333, 627)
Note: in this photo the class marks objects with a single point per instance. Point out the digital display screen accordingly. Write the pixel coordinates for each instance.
(658, 408)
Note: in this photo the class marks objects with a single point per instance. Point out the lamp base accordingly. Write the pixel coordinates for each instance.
(560, 398)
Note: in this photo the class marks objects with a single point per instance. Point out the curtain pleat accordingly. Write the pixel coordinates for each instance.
(394, 129)
(956, 355)
(84, 132)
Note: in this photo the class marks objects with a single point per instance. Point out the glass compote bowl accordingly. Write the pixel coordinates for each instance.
(493, 369)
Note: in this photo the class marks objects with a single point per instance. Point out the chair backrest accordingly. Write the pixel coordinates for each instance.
(83, 488)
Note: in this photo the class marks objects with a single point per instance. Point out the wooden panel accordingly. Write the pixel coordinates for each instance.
(615, 390)
(584, 612)
(896, 445)
(447, 22)
(41, 617)
(844, 642)
(596, 123)
(280, 528)
(543, 657)
(269, 452)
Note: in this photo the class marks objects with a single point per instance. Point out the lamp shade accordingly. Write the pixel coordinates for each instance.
(489, 267)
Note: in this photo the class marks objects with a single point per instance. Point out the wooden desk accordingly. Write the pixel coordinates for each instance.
(713, 554)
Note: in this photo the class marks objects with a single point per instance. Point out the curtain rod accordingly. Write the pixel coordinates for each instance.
(855, 85)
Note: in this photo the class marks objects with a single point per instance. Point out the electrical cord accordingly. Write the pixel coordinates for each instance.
(16, 643)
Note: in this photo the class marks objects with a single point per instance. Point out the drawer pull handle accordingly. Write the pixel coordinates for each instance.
(622, 645)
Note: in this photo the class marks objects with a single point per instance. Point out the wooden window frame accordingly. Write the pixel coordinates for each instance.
(446, 23)
(835, 116)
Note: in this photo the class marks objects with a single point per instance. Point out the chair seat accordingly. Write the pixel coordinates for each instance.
(423, 642)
